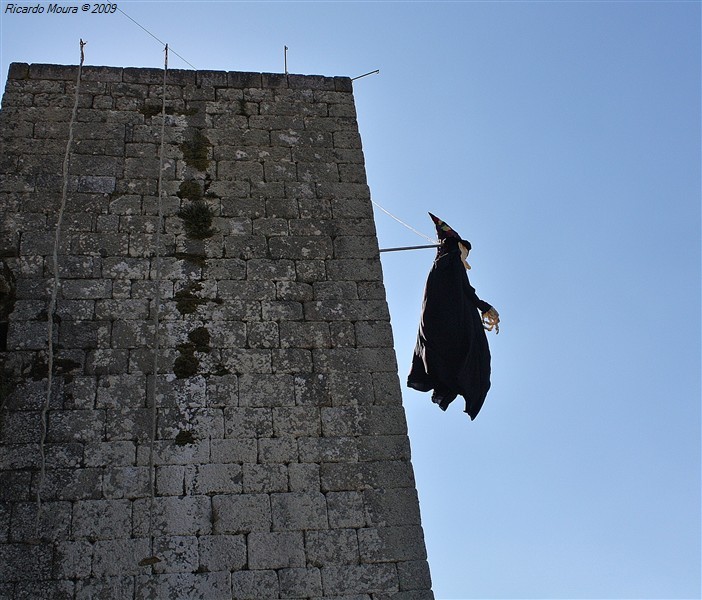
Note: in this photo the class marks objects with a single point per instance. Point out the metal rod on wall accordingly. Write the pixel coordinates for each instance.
(366, 74)
(408, 248)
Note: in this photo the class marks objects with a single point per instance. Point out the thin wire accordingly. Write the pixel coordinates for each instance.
(153, 36)
(419, 233)
(54, 289)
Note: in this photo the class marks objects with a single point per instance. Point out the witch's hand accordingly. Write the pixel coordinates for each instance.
(491, 320)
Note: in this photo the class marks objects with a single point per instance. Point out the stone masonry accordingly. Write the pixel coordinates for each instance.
(278, 463)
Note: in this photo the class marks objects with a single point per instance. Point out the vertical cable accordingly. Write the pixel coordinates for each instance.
(153, 559)
(55, 285)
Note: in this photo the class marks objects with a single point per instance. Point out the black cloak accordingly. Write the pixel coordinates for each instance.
(452, 356)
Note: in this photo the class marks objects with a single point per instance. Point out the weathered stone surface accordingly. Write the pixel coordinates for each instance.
(414, 575)
(184, 586)
(119, 556)
(213, 479)
(265, 478)
(300, 583)
(234, 451)
(56, 590)
(298, 421)
(109, 588)
(266, 390)
(241, 514)
(73, 560)
(277, 451)
(400, 543)
(69, 484)
(304, 477)
(383, 447)
(334, 547)
(252, 585)
(54, 522)
(268, 456)
(305, 334)
(357, 579)
(328, 449)
(125, 482)
(189, 515)
(299, 511)
(178, 554)
(276, 550)
(102, 519)
(222, 552)
(368, 475)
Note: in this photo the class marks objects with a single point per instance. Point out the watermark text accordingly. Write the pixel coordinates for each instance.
(54, 8)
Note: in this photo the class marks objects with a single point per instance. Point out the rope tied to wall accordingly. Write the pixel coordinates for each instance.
(412, 229)
(153, 388)
(55, 287)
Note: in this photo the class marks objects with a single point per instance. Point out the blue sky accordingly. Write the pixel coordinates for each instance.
(563, 140)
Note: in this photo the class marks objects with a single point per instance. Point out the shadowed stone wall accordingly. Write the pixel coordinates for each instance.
(280, 462)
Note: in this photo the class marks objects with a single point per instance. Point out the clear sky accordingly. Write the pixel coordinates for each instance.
(563, 140)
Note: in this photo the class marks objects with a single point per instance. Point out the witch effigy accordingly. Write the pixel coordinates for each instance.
(452, 355)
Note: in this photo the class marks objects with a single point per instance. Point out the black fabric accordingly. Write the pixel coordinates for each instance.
(452, 356)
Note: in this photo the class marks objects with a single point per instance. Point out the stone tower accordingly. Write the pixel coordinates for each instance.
(200, 396)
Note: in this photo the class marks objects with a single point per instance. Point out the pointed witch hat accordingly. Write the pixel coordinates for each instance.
(444, 230)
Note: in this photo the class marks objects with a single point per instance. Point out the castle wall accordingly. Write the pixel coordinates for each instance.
(278, 463)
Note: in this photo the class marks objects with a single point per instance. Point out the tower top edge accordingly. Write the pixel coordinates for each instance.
(151, 75)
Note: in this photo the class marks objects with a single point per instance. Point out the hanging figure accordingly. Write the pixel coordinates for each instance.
(452, 356)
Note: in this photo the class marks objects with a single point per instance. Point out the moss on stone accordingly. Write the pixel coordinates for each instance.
(190, 190)
(186, 364)
(195, 151)
(221, 370)
(200, 338)
(184, 438)
(8, 382)
(65, 365)
(186, 299)
(150, 110)
(8, 297)
(197, 220)
(199, 260)
(187, 306)
(38, 370)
